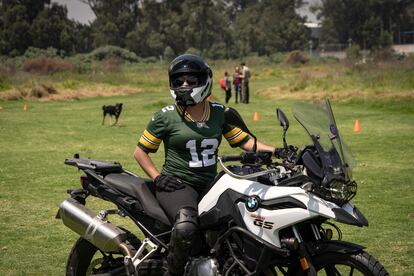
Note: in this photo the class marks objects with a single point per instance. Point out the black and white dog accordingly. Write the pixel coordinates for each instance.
(113, 111)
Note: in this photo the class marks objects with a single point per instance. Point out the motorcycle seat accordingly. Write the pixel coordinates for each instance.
(136, 187)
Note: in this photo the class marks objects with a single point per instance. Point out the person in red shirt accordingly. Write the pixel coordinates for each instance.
(237, 84)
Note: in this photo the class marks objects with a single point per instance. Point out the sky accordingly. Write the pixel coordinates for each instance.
(77, 10)
(82, 13)
(304, 10)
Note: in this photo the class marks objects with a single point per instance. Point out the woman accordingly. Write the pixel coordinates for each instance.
(191, 130)
(237, 81)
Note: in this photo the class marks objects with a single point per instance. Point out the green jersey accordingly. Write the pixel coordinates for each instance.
(191, 146)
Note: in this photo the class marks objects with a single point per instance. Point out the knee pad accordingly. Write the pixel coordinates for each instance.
(182, 236)
(186, 223)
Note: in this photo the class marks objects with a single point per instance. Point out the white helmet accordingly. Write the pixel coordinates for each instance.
(196, 69)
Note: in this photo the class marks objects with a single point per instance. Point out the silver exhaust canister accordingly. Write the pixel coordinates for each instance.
(90, 226)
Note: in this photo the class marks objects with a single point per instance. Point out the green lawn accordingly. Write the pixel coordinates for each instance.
(33, 178)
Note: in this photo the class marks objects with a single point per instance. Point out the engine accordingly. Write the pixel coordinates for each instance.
(203, 266)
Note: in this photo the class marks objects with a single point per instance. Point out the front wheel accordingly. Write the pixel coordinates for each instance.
(361, 263)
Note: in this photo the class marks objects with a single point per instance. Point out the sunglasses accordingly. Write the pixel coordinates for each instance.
(190, 80)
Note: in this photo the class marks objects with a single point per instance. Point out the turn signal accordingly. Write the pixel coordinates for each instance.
(304, 263)
(83, 180)
(328, 234)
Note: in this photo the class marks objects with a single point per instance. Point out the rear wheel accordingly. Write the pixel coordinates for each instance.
(86, 259)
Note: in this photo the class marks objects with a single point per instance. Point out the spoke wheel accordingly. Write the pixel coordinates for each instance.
(342, 264)
(86, 259)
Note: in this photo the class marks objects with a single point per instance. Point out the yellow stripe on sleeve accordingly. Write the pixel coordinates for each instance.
(152, 138)
(238, 138)
(147, 144)
(231, 133)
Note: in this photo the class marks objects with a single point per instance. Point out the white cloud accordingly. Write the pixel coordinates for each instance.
(77, 10)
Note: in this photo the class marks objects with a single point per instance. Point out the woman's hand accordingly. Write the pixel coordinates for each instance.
(166, 183)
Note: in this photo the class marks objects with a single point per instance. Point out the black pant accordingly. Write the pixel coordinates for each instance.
(171, 202)
(181, 209)
(237, 92)
(245, 92)
(228, 94)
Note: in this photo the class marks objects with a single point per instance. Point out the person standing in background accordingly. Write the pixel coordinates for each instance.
(237, 82)
(227, 86)
(245, 86)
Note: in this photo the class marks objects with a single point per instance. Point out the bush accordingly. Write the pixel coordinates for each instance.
(33, 52)
(110, 65)
(110, 51)
(277, 57)
(149, 60)
(42, 91)
(297, 57)
(81, 62)
(169, 54)
(381, 55)
(193, 51)
(8, 66)
(45, 65)
(353, 52)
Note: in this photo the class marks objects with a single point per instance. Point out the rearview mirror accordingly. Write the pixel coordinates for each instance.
(284, 122)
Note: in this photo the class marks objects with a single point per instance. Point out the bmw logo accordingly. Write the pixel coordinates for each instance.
(252, 203)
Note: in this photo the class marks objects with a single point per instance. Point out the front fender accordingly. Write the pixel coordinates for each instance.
(321, 247)
(350, 214)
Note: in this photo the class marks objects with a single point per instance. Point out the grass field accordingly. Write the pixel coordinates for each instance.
(34, 144)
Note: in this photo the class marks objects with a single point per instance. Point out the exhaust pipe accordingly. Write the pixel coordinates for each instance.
(91, 227)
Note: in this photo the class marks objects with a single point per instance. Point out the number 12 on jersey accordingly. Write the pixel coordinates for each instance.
(203, 156)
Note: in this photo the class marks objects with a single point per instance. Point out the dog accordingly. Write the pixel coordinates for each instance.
(113, 111)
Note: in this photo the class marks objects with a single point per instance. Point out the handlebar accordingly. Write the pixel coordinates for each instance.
(231, 158)
(252, 158)
(289, 154)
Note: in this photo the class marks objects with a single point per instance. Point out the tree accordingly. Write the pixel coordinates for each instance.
(15, 38)
(35, 23)
(369, 23)
(180, 25)
(270, 26)
(206, 26)
(114, 20)
(52, 28)
(84, 39)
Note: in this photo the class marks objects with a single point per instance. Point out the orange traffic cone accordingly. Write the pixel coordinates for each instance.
(357, 126)
(25, 108)
(256, 116)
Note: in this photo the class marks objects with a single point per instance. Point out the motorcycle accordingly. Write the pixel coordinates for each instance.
(259, 217)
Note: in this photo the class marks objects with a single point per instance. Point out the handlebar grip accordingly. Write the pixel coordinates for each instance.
(231, 158)
(280, 153)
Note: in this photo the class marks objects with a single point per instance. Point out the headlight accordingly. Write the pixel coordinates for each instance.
(341, 192)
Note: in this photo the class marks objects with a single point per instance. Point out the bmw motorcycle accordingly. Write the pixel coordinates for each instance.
(258, 217)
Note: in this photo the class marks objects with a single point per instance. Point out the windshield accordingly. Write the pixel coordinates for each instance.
(320, 122)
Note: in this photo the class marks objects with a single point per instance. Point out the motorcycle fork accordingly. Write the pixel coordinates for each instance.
(305, 259)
